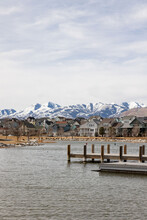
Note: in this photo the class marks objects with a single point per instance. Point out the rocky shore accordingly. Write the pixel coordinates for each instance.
(2, 145)
(101, 139)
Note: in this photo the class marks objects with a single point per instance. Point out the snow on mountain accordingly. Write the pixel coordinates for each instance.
(6, 112)
(37, 111)
(52, 110)
(135, 105)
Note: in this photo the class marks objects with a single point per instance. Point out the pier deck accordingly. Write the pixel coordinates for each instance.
(121, 167)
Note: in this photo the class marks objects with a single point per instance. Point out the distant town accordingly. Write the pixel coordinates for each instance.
(94, 126)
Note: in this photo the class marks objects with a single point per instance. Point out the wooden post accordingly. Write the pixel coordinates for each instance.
(120, 153)
(108, 152)
(140, 153)
(102, 153)
(85, 152)
(68, 153)
(92, 150)
(143, 152)
(125, 151)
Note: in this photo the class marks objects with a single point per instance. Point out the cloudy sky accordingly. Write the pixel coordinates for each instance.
(72, 51)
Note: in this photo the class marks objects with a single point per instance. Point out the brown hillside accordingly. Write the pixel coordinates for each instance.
(138, 112)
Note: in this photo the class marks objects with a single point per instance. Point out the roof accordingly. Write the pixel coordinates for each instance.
(69, 119)
(117, 125)
(145, 121)
(97, 121)
(126, 125)
(61, 122)
(108, 120)
(29, 125)
(142, 119)
(30, 117)
(129, 117)
(87, 124)
(96, 117)
(49, 122)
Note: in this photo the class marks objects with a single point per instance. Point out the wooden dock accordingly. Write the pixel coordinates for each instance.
(122, 156)
(121, 167)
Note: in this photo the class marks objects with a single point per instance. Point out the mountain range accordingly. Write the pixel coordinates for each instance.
(52, 110)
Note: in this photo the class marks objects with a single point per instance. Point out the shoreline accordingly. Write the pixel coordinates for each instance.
(13, 141)
(102, 139)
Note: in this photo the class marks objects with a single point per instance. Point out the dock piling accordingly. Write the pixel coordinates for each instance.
(140, 153)
(143, 152)
(85, 152)
(92, 150)
(120, 153)
(68, 153)
(125, 151)
(102, 153)
(108, 152)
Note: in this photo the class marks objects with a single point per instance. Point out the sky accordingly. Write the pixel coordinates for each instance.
(72, 52)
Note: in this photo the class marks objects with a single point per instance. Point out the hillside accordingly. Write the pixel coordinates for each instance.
(138, 112)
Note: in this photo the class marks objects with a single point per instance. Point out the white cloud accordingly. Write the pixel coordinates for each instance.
(73, 31)
(73, 52)
(9, 10)
(15, 53)
(140, 13)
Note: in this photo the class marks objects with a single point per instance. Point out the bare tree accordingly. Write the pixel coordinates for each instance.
(102, 131)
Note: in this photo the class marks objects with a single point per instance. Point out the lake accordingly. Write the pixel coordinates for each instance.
(37, 183)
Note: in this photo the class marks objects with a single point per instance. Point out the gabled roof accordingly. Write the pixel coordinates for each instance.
(145, 121)
(117, 125)
(140, 120)
(76, 123)
(131, 117)
(97, 121)
(98, 117)
(31, 118)
(28, 125)
(61, 122)
(86, 125)
(127, 121)
(108, 120)
(49, 122)
(126, 125)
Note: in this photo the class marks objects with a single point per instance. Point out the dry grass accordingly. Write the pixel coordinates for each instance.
(23, 139)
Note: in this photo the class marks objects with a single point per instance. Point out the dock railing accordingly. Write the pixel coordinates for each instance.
(102, 156)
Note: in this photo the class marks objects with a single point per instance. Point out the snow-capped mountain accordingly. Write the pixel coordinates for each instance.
(132, 105)
(52, 110)
(6, 112)
(37, 111)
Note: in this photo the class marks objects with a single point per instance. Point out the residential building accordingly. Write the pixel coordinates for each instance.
(90, 128)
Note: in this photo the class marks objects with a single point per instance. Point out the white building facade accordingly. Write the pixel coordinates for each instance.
(89, 129)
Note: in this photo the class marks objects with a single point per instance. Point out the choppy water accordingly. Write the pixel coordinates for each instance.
(37, 183)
